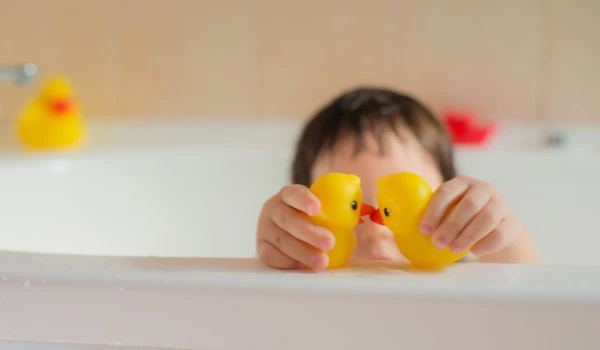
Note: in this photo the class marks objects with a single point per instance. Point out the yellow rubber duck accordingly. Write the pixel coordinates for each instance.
(342, 206)
(53, 119)
(402, 199)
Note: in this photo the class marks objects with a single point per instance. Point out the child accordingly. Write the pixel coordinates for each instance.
(371, 133)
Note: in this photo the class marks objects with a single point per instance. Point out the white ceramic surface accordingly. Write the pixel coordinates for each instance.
(195, 189)
(238, 304)
(192, 188)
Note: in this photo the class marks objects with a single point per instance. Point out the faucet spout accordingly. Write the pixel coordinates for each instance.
(19, 74)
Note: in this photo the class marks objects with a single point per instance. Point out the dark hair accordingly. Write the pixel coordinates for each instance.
(371, 109)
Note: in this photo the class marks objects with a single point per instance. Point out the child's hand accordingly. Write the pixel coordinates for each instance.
(481, 220)
(285, 239)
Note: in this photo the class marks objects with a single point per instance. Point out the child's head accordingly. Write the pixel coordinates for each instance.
(374, 132)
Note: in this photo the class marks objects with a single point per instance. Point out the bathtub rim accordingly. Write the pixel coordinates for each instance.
(191, 312)
(464, 281)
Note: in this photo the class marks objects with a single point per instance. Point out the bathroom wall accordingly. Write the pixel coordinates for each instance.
(530, 60)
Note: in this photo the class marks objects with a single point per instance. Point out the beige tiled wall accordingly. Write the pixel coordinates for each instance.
(512, 59)
(573, 82)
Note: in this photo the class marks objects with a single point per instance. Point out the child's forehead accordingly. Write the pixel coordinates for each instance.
(378, 156)
(392, 144)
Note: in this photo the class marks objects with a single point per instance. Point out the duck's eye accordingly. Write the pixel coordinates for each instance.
(354, 205)
(386, 212)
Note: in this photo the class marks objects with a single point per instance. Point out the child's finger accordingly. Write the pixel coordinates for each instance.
(295, 248)
(442, 199)
(463, 213)
(484, 222)
(273, 257)
(298, 226)
(499, 238)
(301, 198)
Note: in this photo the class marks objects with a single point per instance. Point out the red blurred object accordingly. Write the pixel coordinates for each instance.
(466, 130)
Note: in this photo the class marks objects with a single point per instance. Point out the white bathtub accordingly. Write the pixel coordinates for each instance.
(201, 195)
(129, 195)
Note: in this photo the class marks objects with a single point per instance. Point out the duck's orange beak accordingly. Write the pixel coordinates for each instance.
(365, 210)
(376, 217)
(60, 107)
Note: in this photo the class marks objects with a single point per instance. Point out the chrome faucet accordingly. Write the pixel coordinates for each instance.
(19, 74)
